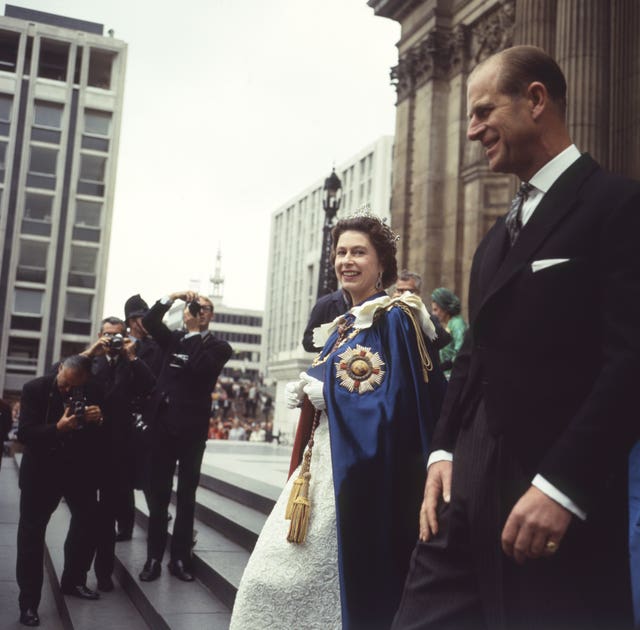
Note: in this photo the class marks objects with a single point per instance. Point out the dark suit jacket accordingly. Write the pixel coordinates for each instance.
(555, 354)
(48, 452)
(183, 395)
(122, 383)
(325, 310)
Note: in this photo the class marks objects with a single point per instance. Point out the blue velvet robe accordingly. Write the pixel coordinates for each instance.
(379, 445)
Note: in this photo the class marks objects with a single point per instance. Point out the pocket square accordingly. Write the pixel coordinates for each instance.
(537, 265)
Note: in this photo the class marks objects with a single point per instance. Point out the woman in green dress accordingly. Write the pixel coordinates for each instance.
(445, 305)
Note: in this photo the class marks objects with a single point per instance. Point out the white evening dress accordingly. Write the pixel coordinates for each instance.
(288, 586)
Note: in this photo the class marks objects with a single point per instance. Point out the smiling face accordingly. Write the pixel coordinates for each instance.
(357, 265)
(502, 123)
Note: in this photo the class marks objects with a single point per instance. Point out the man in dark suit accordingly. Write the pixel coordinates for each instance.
(124, 378)
(193, 360)
(60, 442)
(524, 519)
(136, 461)
(325, 310)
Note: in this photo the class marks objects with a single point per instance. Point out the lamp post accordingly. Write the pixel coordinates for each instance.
(327, 282)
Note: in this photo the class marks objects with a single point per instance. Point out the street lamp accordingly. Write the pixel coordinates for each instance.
(327, 282)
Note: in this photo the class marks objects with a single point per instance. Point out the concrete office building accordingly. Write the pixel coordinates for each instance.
(294, 261)
(61, 86)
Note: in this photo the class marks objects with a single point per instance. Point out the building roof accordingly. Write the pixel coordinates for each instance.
(52, 19)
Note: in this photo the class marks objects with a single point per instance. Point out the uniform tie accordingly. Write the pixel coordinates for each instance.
(513, 220)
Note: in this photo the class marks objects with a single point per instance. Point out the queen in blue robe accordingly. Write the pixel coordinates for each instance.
(371, 397)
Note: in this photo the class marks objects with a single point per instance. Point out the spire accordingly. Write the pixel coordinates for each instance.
(217, 280)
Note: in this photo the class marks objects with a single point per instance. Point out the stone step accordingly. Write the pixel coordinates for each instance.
(246, 491)
(218, 561)
(113, 611)
(167, 603)
(9, 514)
(237, 521)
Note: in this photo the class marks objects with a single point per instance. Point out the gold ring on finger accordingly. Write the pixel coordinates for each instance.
(551, 546)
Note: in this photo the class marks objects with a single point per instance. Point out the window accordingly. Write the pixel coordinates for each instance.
(42, 168)
(47, 122)
(87, 222)
(96, 123)
(70, 348)
(92, 172)
(3, 159)
(6, 105)
(37, 214)
(32, 261)
(79, 306)
(28, 302)
(54, 57)
(9, 42)
(22, 355)
(82, 268)
(100, 64)
(78, 314)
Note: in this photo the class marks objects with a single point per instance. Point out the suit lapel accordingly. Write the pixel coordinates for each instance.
(557, 203)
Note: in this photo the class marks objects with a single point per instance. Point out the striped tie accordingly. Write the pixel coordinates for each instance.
(513, 220)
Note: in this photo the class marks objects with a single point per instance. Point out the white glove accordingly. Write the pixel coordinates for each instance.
(313, 388)
(293, 392)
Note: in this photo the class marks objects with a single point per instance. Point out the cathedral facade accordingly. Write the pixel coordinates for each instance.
(444, 197)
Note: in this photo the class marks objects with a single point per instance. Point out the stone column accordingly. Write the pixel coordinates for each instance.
(536, 24)
(582, 50)
(625, 88)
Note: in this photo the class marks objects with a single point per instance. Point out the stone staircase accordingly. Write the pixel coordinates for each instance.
(230, 512)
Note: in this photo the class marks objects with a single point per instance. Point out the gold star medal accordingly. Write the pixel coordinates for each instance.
(359, 369)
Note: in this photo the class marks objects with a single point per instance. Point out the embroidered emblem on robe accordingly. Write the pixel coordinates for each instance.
(359, 369)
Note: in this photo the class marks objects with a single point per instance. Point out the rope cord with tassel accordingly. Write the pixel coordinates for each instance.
(299, 507)
(425, 359)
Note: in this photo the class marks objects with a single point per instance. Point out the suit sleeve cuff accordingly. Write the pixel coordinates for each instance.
(559, 497)
(191, 334)
(439, 456)
(166, 300)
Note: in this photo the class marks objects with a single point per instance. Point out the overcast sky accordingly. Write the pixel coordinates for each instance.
(230, 108)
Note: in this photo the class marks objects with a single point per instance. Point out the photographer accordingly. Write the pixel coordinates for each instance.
(137, 467)
(193, 360)
(124, 378)
(60, 420)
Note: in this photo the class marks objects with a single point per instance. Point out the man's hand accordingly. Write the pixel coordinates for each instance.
(535, 526)
(100, 347)
(191, 323)
(437, 486)
(93, 415)
(129, 348)
(67, 422)
(185, 296)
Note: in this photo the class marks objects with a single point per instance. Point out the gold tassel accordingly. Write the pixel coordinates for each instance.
(295, 492)
(301, 512)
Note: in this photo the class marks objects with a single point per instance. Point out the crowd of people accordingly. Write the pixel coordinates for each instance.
(445, 475)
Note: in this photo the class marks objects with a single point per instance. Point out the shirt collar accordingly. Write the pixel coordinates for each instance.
(549, 173)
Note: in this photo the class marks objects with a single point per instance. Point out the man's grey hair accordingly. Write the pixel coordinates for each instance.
(406, 275)
(113, 321)
(78, 362)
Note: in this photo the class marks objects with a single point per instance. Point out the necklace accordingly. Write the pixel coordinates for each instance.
(345, 333)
